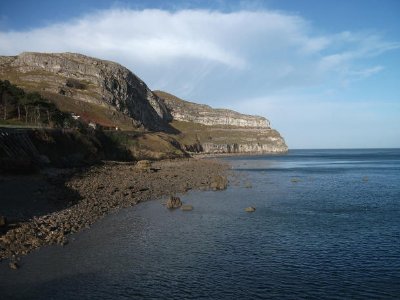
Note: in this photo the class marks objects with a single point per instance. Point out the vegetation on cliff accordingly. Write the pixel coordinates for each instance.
(30, 109)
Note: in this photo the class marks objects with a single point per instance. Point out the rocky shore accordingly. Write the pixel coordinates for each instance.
(79, 197)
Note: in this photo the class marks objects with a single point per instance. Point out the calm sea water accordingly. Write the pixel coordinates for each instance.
(327, 226)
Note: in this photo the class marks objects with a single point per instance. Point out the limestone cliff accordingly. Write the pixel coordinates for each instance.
(207, 130)
(199, 113)
(89, 80)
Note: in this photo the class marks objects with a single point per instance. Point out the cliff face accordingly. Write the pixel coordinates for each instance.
(89, 80)
(208, 130)
(203, 114)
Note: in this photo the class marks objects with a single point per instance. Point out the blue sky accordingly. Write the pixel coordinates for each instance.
(326, 73)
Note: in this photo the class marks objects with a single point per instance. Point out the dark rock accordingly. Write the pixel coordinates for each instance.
(13, 265)
(3, 221)
(174, 202)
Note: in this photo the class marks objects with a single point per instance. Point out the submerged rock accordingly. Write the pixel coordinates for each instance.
(3, 221)
(248, 185)
(186, 207)
(174, 202)
(250, 209)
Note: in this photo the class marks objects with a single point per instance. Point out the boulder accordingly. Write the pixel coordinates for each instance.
(174, 202)
(143, 165)
(13, 265)
(186, 207)
(250, 209)
(219, 183)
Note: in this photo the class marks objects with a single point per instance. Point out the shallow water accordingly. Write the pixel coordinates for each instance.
(326, 227)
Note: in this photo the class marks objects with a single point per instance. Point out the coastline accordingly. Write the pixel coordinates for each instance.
(237, 154)
(89, 194)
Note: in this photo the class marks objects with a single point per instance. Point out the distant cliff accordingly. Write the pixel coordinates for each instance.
(208, 130)
(199, 113)
(110, 95)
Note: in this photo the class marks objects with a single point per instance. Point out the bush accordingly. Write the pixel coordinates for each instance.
(74, 83)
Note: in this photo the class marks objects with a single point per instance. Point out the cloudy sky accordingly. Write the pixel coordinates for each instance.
(326, 73)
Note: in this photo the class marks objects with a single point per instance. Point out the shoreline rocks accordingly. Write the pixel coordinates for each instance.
(102, 189)
(219, 183)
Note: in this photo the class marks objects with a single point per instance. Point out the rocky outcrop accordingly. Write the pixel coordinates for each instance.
(182, 110)
(90, 80)
(221, 131)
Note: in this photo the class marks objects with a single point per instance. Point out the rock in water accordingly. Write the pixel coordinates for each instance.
(174, 202)
(186, 207)
(3, 221)
(13, 265)
(250, 209)
(219, 183)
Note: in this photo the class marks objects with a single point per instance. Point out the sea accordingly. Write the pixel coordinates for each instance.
(326, 226)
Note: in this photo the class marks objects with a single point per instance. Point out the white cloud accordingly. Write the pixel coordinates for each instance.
(264, 46)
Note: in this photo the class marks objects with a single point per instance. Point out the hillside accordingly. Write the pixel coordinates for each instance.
(76, 81)
(110, 96)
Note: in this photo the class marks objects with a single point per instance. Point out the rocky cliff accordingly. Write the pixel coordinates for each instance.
(110, 95)
(203, 114)
(204, 129)
(89, 80)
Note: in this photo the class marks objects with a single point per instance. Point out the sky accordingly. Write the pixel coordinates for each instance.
(325, 73)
